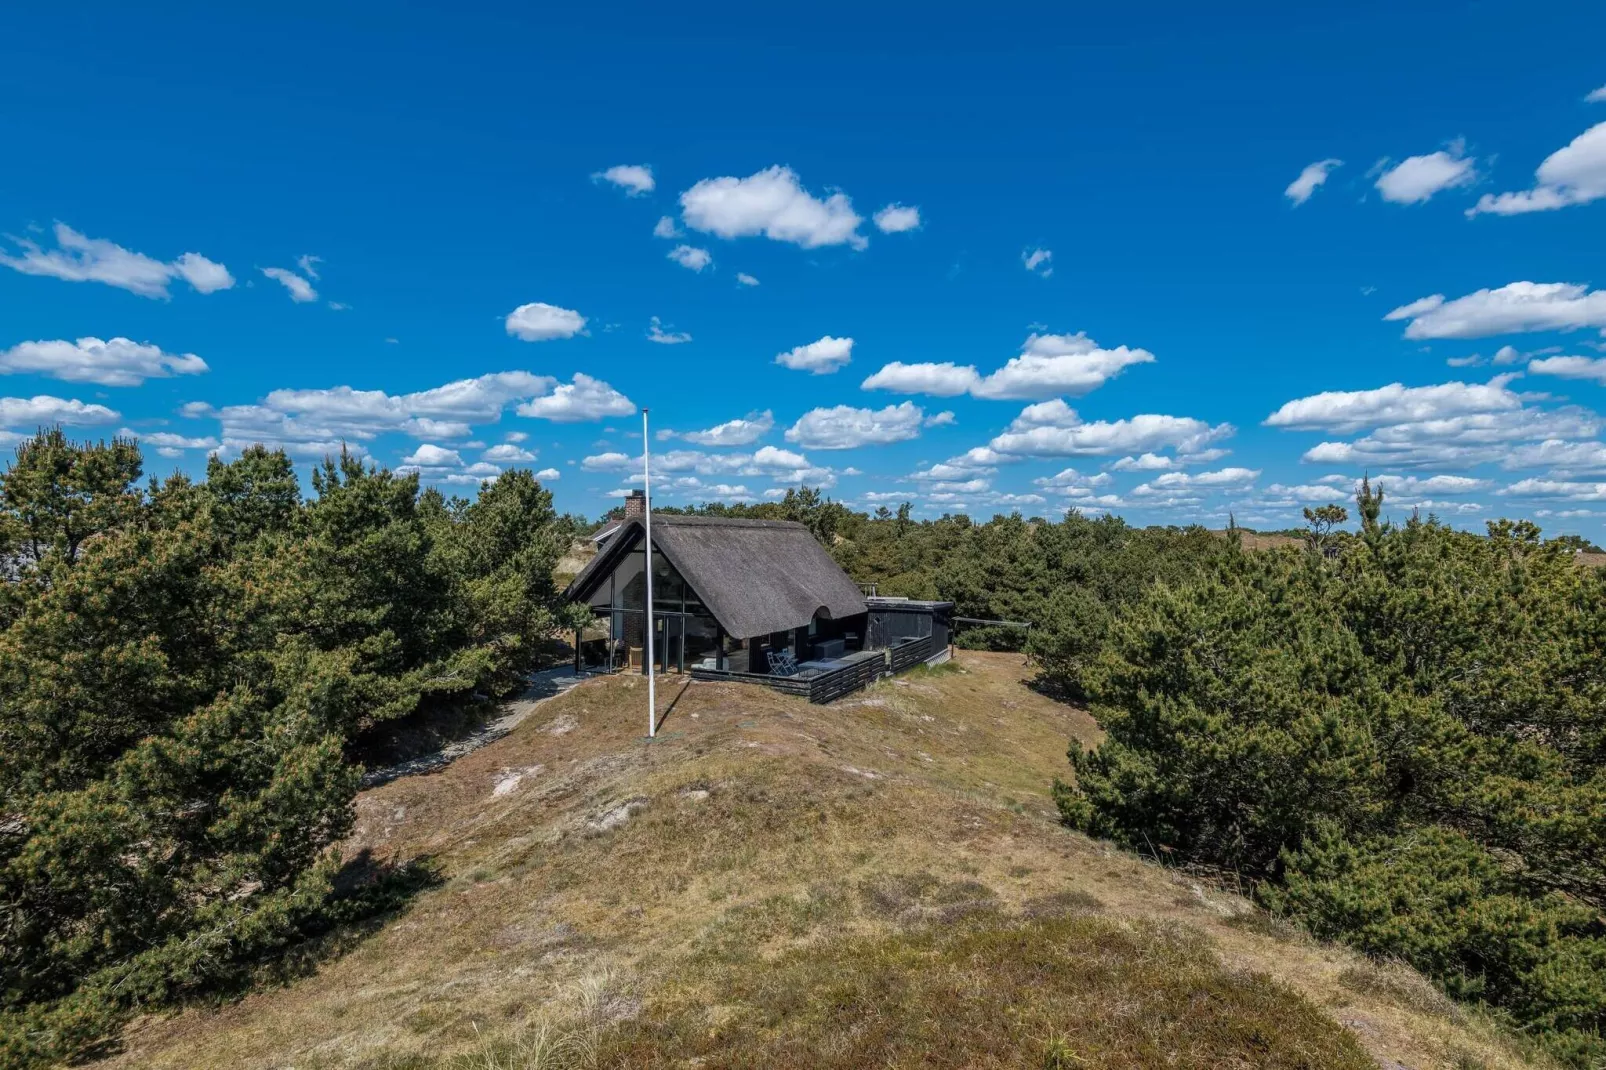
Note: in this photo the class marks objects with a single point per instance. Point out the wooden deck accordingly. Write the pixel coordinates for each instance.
(822, 682)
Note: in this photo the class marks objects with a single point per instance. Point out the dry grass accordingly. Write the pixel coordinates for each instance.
(879, 882)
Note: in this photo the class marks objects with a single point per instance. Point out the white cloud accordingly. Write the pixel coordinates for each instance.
(740, 432)
(507, 453)
(744, 279)
(1512, 308)
(608, 462)
(1597, 96)
(656, 333)
(1148, 462)
(844, 427)
(773, 203)
(309, 265)
(515, 436)
(1591, 368)
(541, 322)
(1416, 179)
(969, 486)
(1555, 488)
(1038, 261)
(1069, 479)
(168, 444)
(691, 257)
(941, 419)
(1573, 174)
(634, 179)
(1169, 483)
(1314, 174)
(583, 399)
(1459, 441)
(548, 475)
(118, 362)
(42, 409)
(77, 258)
(946, 379)
(1558, 455)
(1352, 410)
(665, 228)
(821, 357)
(204, 276)
(300, 289)
(311, 423)
(1049, 364)
(1069, 436)
(428, 455)
(897, 218)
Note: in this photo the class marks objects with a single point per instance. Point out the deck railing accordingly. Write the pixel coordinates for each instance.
(833, 684)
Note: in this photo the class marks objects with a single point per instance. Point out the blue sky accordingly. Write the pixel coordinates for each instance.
(1158, 261)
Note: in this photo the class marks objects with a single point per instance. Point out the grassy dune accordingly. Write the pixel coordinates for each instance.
(882, 882)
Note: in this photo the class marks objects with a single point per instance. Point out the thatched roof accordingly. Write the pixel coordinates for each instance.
(755, 576)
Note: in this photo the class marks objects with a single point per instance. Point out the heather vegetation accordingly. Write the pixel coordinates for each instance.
(1397, 735)
(187, 670)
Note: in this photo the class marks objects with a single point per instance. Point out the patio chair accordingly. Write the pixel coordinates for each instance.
(782, 663)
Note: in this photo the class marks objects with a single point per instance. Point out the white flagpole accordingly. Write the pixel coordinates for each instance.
(646, 492)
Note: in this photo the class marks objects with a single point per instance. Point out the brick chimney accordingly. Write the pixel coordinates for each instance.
(635, 505)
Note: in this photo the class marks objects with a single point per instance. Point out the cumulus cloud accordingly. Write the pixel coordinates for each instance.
(1314, 174)
(169, 444)
(1574, 174)
(845, 427)
(691, 257)
(608, 462)
(1154, 462)
(310, 423)
(634, 179)
(300, 289)
(1038, 261)
(583, 399)
(1351, 410)
(507, 453)
(428, 455)
(117, 362)
(656, 333)
(941, 419)
(1459, 441)
(896, 218)
(744, 279)
(1555, 488)
(1513, 308)
(548, 475)
(1416, 179)
(1171, 482)
(43, 409)
(665, 227)
(1049, 364)
(772, 203)
(541, 322)
(1070, 480)
(1055, 430)
(1592, 368)
(739, 432)
(78, 258)
(1558, 455)
(821, 357)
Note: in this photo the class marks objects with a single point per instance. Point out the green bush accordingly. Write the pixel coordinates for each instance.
(1403, 743)
(183, 672)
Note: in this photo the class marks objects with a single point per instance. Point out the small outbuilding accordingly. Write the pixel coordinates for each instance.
(754, 600)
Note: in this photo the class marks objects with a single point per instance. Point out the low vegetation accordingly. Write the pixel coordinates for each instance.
(881, 882)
